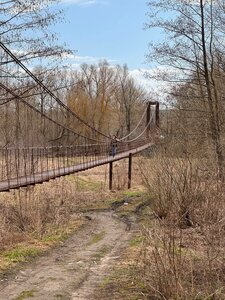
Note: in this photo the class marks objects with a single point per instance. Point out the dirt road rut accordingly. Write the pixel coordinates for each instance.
(74, 270)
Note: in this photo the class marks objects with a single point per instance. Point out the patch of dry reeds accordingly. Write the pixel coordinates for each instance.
(184, 243)
(38, 210)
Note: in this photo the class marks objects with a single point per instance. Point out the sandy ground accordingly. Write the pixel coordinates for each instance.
(74, 269)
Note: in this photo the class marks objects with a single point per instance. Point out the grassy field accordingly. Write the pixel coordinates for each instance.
(178, 252)
(175, 210)
(35, 219)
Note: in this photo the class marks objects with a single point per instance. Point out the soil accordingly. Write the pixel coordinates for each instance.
(74, 269)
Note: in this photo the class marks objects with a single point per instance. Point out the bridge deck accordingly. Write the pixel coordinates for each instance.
(37, 178)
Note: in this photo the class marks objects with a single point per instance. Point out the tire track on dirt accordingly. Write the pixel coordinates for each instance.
(73, 270)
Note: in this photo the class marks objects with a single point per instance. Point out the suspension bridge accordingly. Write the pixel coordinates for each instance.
(42, 138)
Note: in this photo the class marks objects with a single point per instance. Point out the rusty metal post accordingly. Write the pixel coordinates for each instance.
(110, 175)
(148, 116)
(157, 115)
(129, 171)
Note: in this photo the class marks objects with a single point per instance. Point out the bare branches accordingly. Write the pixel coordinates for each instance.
(193, 42)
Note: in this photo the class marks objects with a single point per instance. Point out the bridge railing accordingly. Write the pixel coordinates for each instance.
(27, 161)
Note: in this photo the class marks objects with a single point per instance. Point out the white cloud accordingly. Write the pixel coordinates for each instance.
(139, 76)
(85, 2)
(92, 59)
(155, 87)
(77, 59)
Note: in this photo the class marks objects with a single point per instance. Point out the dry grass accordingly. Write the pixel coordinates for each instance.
(123, 282)
(183, 254)
(42, 215)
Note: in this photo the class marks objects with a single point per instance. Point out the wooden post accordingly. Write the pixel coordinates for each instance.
(148, 116)
(129, 171)
(110, 175)
(157, 115)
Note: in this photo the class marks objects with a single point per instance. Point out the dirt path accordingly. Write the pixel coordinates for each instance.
(73, 270)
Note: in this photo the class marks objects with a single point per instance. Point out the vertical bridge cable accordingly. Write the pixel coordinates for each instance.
(48, 140)
(46, 89)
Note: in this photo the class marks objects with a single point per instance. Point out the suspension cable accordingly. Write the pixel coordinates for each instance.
(45, 88)
(136, 138)
(42, 114)
(142, 117)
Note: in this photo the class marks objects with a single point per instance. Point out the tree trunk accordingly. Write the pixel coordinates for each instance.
(216, 134)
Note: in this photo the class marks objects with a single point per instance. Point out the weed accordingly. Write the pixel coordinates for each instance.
(133, 193)
(106, 281)
(97, 238)
(84, 184)
(123, 284)
(136, 241)
(130, 207)
(103, 251)
(21, 254)
(62, 296)
(26, 294)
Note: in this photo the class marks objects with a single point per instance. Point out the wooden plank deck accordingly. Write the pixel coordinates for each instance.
(38, 178)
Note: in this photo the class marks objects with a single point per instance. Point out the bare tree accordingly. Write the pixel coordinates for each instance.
(130, 97)
(193, 47)
(24, 27)
(93, 96)
(108, 97)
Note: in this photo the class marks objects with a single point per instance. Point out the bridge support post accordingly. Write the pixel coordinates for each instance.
(110, 175)
(148, 116)
(157, 115)
(129, 171)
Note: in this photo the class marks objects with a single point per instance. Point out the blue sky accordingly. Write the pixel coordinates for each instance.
(111, 29)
